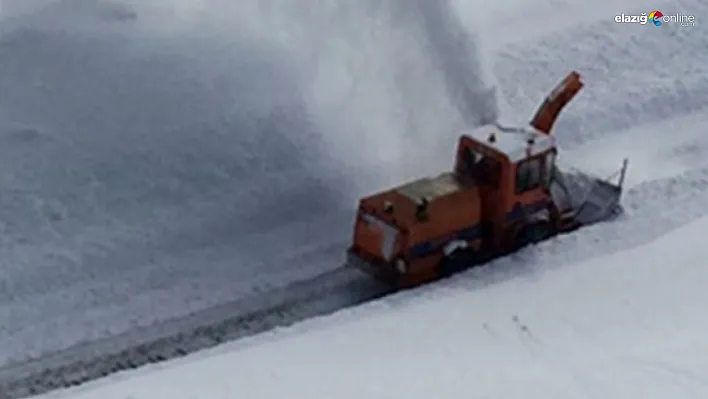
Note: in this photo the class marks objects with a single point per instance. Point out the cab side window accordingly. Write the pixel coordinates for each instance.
(480, 169)
(489, 172)
(470, 159)
(528, 175)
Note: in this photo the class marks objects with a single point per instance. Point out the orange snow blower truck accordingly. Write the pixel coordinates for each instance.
(505, 192)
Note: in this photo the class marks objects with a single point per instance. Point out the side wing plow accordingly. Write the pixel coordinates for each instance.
(591, 199)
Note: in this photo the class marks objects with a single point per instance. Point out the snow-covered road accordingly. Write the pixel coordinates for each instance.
(617, 326)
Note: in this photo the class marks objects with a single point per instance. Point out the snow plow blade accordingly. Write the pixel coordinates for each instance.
(589, 198)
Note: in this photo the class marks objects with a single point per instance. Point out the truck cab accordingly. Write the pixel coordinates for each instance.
(513, 168)
(504, 192)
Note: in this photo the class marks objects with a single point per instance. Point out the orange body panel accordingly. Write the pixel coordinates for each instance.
(447, 214)
(455, 210)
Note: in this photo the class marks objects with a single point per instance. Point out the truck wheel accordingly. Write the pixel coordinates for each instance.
(457, 261)
(533, 234)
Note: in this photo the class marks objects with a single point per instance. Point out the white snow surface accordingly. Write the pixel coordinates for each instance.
(160, 157)
(512, 141)
(625, 325)
(612, 311)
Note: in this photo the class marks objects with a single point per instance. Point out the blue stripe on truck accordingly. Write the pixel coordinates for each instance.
(470, 233)
(428, 247)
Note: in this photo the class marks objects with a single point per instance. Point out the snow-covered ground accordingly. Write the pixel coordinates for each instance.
(626, 325)
(143, 179)
(611, 311)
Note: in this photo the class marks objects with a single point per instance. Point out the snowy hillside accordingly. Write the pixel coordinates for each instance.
(163, 157)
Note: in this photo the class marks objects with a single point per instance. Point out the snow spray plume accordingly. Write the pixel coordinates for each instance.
(392, 79)
(456, 52)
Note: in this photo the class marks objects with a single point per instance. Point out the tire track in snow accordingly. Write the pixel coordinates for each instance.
(320, 295)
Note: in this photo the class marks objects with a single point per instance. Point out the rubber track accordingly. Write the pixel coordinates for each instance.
(321, 295)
